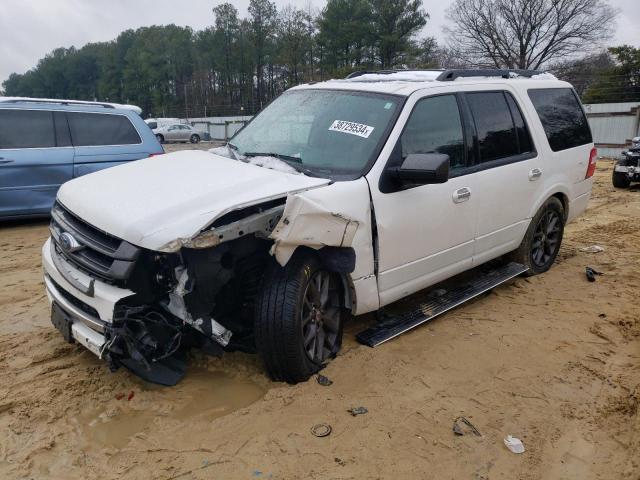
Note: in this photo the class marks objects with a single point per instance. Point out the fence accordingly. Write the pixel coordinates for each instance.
(220, 128)
(613, 126)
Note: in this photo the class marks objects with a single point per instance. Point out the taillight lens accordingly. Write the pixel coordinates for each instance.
(591, 168)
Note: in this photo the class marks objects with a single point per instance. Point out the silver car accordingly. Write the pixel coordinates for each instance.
(178, 132)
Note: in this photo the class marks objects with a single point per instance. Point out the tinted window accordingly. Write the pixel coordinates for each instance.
(562, 117)
(435, 127)
(524, 138)
(26, 129)
(497, 137)
(101, 129)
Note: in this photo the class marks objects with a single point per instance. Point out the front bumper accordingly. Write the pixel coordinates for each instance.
(89, 310)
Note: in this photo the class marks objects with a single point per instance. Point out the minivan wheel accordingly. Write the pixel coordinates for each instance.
(541, 243)
(160, 138)
(194, 138)
(620, 180)
(298, 319)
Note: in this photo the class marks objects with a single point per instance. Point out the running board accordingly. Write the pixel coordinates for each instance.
(425, 311)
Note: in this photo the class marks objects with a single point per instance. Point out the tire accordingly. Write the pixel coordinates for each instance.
(195, 138)
(620, 180)
(160, 138)
(286, 313)
(541, 243)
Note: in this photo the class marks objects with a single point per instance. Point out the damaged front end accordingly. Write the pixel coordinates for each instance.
(196, 292)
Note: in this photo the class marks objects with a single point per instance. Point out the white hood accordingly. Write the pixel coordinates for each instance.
(154, 201)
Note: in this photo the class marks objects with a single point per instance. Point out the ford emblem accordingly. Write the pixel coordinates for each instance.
(69, 243)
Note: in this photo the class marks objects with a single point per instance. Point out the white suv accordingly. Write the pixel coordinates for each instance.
(339, 198)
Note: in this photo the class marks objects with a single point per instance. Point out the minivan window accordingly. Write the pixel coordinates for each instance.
(26, 129)
(562, 117)
(435, 127)
(89, 129)
(497, 137)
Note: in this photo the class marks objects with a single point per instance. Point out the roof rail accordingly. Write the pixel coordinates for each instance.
(449, 75)
(49, 100)
(390, 71)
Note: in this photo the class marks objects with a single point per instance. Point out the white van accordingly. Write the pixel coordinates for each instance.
(339, 198)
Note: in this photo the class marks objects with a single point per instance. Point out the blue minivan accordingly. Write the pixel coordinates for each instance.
(44, 143)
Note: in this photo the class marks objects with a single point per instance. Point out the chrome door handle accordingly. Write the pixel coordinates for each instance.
(4, 161)
(461, 195)
(534, 174)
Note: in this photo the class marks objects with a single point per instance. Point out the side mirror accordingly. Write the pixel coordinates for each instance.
(423, 169)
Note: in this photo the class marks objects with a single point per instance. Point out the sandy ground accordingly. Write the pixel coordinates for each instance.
(553, 360)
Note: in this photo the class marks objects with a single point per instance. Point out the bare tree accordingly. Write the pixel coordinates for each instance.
(527, 33)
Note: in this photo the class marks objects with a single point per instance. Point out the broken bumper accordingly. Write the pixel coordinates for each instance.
(87, 303)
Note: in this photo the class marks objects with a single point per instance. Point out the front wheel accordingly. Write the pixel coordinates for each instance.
(298, 319)
(160, 138)
(194, 138)
(541, 243)
(620, 180)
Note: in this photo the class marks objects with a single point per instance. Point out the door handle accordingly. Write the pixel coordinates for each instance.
(534, 174)
(461, 195)
(4, 161)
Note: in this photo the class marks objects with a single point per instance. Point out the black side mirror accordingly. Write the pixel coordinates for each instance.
(423, 169)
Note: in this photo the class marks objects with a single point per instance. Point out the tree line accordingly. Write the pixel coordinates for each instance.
(239, 63)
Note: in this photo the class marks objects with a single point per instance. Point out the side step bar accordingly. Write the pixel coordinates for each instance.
(398, 324)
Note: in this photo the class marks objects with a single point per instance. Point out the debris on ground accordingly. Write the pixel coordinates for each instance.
(514, 444)
(321, 430)
(592, 249)
(591, 274)
(357, 411)
(119, 396)
(131, 395)
(458, 430)
(324, 381)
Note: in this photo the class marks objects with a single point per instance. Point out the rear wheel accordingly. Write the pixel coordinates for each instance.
(541, 243)
(195, 138)
(299, 318)
(620, 180)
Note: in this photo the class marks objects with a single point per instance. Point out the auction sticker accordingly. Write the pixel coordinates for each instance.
(352, 128)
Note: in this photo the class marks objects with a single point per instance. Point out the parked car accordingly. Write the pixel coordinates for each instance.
(155, 123)
(179, 132)
(627, 169)
(338, 199)
(46, 142)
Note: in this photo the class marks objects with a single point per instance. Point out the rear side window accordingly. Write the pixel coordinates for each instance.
(435, 127)
(152, 125)
(92, 129)
(497, 135)
(26, 129)
(562, 117)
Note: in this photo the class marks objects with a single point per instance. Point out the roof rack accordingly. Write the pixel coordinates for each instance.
(390, 71)
(449, 75)
(49, 100)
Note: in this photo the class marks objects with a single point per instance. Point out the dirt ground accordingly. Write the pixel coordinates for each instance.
(553, 360)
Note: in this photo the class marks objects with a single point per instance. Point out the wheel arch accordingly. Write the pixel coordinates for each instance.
(560, 192)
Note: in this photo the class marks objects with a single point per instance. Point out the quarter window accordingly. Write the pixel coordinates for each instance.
(26, 129)
(562, 117)
(92, 129)
(435, 127)
(497, 135)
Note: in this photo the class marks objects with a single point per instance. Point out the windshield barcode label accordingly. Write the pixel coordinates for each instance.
(350, 127)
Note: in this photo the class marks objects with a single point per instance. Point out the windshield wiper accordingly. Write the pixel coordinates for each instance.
(281, 156)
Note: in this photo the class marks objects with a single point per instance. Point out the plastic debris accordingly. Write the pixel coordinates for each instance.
(591, 274)
(514, 444)
(592, 249)
(458, 430)
(324, 381)
(321, 430)
(357, 411)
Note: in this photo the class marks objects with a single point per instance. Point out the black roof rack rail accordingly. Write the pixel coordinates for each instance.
(61, 102)
(449, 75)
(390, 71)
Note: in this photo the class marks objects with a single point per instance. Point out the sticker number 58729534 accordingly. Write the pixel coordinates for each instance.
(352, 128)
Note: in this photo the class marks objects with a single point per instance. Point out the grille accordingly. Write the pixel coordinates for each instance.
(96, 253)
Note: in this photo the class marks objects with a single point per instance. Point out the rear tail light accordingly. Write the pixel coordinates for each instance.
(155, 154)
(591, 168)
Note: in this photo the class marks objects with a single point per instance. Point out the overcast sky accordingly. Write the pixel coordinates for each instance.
(29, 29)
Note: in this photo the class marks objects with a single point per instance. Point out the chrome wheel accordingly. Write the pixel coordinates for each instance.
(546, 238)
(321, 317)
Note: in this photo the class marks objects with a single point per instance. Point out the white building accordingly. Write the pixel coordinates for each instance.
(613, 126)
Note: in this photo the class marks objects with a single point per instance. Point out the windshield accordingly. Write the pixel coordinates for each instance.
(322, 132)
